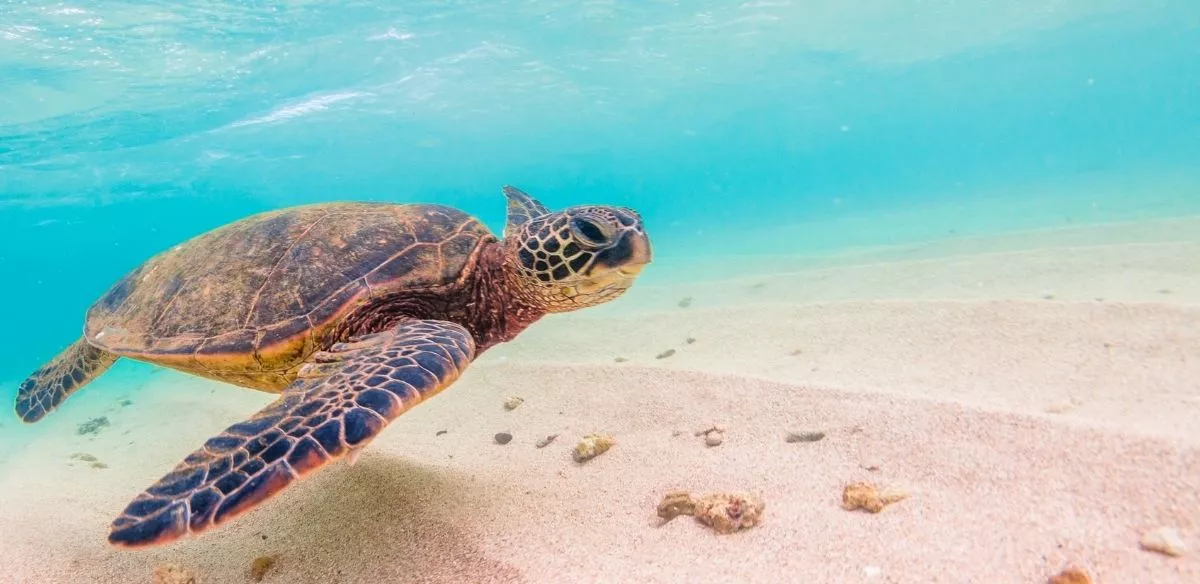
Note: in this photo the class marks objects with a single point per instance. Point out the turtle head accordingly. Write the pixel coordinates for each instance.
(577, 257)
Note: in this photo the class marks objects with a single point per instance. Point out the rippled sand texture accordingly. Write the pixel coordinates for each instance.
(1036, 394)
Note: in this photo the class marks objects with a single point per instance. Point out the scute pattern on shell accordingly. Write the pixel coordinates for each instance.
(272, 279)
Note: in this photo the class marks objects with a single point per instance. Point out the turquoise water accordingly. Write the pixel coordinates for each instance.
(126, 128)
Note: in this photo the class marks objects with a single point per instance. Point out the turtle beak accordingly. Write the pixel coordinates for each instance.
(629, 255)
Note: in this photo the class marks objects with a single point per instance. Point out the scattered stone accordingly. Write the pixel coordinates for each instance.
(796, 352)
(503, 438)
(174, 574)
(676, 503)
(620, 359)
(678, 433)
(93, 425)
(1071, 575)
(686, 302)
(870, 467)
(512, 402)
(665, 354)
(125, 402)
(1164, 540)
(866, 497)
(591, 446)
(1165, 291)
(690, 340)
(83, 456)
(440, 432)
(816, 436)
(713, 435)
(261, 565)
(729, 512)
(1047, 295)
(758, 286)
(544, 442)
(99, 464)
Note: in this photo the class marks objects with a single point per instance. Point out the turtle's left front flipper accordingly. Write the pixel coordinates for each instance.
(338, 404)
(54, 382)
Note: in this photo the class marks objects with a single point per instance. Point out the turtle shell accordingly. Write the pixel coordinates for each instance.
(246, 303)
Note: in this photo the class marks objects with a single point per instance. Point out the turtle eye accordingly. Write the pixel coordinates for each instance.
(588, 232)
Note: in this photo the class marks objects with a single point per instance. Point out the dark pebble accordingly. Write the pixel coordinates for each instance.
(503, 438)
(805, 436)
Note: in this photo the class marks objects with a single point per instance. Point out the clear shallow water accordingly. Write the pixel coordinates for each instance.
(127, 127)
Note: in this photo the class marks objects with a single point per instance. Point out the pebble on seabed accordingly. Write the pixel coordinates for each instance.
(1164, 540)
(1071, 575)
(591, 446)
(867, 497)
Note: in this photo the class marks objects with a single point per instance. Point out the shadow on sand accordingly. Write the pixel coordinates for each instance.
(384, 519)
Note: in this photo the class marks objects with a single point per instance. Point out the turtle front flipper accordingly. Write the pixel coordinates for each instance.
(521, 209)
(340, 401)
(55, 381)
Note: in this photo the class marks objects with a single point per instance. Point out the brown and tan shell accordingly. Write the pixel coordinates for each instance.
(248, 302)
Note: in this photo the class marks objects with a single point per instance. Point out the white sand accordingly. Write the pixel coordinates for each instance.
(1035, 425)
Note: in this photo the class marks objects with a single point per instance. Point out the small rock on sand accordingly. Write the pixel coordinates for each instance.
(1164, 540)
(676, 503)
(714, 439)
(723, 512)
(503, 438)
(512, 402)
(794, 437)
(591, 446)
(665, 354)
(174, 574)
(544, 442)
(867, 497)
(729, 512)
(1071, 575)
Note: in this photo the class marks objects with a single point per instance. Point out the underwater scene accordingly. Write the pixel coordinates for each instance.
(889, 291)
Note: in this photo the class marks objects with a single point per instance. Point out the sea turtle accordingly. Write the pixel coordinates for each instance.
(353, 312)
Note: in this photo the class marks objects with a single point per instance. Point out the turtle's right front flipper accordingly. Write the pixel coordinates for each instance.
(73, 368)
(340, 402)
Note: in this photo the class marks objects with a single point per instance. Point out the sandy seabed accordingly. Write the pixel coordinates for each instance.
(1037, 395)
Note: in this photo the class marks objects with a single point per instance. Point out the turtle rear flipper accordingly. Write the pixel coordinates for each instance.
(339, 402)
(55, 381)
